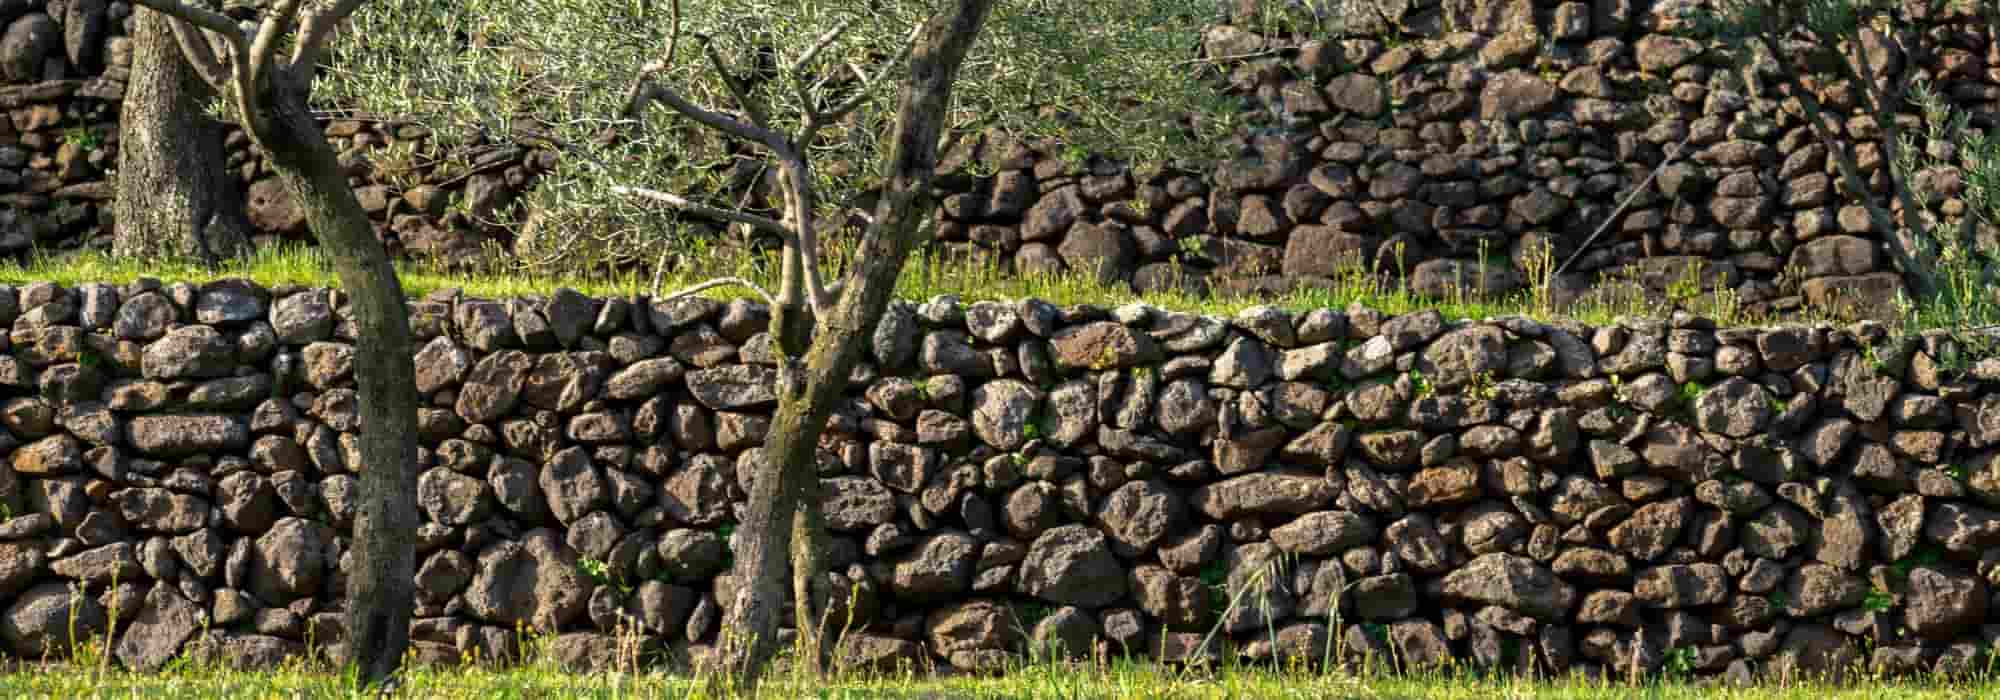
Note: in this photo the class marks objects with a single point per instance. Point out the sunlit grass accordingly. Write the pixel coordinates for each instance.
(923, 277)
(1116, 681)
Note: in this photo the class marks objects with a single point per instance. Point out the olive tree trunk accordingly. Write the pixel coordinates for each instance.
(381, 586)
(788, 489)
(174, 199)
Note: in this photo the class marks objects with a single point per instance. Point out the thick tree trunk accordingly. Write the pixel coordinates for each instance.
(175, 200)
(380, 591)
(807, 395)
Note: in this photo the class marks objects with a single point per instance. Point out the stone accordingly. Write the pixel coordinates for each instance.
(171, 436)
(493, 387)
(734, 387)
(167, 621)
(1736, 408)
(189, 352)
(533, 581)
(1515, 582)
(1002, 411)
(573, 485)
(1682, 585)
(47, 621)
(1141, 515)
(1651, 529)
(853, 503)
(1264, 493)
(291, 560)
(1072, 565)
(1102, 345)
(1941, 604)
(966, 633)
(937, 568)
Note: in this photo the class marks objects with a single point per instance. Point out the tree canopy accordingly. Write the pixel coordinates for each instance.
(1110, 79)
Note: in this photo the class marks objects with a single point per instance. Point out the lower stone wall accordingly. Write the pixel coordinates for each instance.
(1015, 476)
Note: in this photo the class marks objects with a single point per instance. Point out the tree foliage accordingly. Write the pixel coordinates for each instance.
(1117, 79)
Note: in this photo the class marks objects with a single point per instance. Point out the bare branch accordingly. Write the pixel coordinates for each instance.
(276, 22)
(755, 133)
(737, 89)
(318, 26)
(697, 208)
(635, 99)
(1671, 156)
(803, 202)
(770, 301)
(206, 19)
(812, 52)
(200, 55)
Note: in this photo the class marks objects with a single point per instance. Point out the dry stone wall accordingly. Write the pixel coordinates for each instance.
(1014, 476)
(1443, 140)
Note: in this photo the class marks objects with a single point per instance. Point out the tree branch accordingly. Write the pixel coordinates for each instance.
(635, 99)
(715, 120)
(804, 202)
(772, 302)
(737, 89)
(1843, 159)
(699, 209)
(275, 23)
(798, 67)
(318, 26)
(200, 55)
(206, 19)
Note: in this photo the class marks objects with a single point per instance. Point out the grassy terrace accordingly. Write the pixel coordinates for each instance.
(1037, 683)
(922, 279)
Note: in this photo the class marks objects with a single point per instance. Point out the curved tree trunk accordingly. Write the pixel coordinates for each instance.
(787, 492)
(380, 591)
(175, 201)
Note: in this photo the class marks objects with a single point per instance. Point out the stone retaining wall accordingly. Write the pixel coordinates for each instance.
(1444, 143)
(1009, 476)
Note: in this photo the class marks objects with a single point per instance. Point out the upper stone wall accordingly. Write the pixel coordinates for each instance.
(1003, 477)
(1447, 143)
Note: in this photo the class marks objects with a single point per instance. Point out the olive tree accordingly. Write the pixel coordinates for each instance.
(267, 87)
(793, 91)
(1817, 48)
(1103, 78)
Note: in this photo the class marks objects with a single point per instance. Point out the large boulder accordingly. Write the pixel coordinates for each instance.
(533, 581)
(1142, 514)
(1324, 533)
(1103, 345)
(493, 388)
(856, 503)
(1942, 603)
(49, 620)
(1513, 582)
(1073, 565)
(1264, 493)
(291, 561)
(939, 567)
(185, 435)
(1002, 412)
(167, 621)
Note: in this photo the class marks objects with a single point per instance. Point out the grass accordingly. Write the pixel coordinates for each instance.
(1052, 682)
(923, 277)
